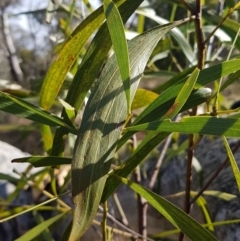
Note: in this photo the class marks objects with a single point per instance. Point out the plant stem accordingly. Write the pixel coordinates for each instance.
(104, 222)
(189, 8)
(201, 61)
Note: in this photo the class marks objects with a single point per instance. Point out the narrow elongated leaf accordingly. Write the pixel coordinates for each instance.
(173, 214)
(89, 68)
(205, 77)
(183, 95)
(147, 145)
(196, 98)
(174, 79)
(233, 162)
(34, 232)
(222, 195)
(67, 56)
(43, 161)
(29, 111)
(204, 125)
(116, 29)
(101, 129)
(235, 76)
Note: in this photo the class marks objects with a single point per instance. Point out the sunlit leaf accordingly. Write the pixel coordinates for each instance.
(67, 56)
(232, 161)
(102, 122)
(143, 98)
(204, 125)
(29, 111)
(116, 29)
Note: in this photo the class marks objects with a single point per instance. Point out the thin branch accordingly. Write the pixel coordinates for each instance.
(230, 11)
(104, 221)
(159, 163)
(215, 174)
(124, 227)
(189, 8)
(142, 204)
(120, 210)
(15, 67)
(199, 35)
(201, 61)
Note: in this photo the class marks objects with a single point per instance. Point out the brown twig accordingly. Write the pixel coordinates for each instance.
(141, 202)
(230, 11)
(123, 226)
(201, 60)
(189, 8)
(199, 35)
(142, 205)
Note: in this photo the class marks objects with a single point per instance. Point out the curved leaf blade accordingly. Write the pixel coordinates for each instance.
(67, 56)
(148, 144)
(173, 214)
(88, 70)
(17, 106)
(183, 95)
(44, 161)
(34, 232)
(232, 162)
(206, 76)
(101, 129)
(116, 30)
(203, 125)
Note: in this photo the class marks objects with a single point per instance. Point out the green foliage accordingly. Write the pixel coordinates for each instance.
(105, 89)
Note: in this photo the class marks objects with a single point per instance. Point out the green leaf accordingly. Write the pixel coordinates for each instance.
(43, 161)
(89, 70)
(69, 110)
(160, 106)
(183, 95)
(164, 104)
(147, 145)
(34, 232)
(101, 128)
(232, 161)
(29, 111)
(173, 214)
(67, 56)
(203, 125)
(173, 80)
(222, 195)
(202, 203)
(47, 138)
(116, 29)
(143, 98)
(235, 76)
